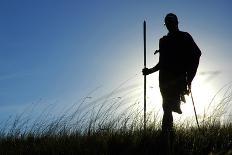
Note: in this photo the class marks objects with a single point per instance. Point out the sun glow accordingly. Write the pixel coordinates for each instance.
(202, 96)
(203, 92)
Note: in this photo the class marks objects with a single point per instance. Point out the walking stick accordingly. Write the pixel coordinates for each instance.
(194, 107)
(144, 49)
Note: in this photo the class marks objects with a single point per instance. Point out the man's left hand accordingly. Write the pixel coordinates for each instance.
(146, 71)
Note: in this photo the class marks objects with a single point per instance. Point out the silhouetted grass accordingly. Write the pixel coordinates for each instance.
(109, 126)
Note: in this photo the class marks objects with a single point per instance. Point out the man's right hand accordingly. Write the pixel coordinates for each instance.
(146, 71)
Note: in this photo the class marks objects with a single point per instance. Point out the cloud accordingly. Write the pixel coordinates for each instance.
(210, 74)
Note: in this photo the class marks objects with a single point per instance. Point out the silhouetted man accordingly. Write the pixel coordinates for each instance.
(178, 61)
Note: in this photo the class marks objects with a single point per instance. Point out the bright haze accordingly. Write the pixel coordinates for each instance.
(54, 51)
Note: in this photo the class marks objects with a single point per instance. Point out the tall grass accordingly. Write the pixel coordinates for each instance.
(109, 126)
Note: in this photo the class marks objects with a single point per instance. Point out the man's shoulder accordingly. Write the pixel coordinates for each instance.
(163, 38)
(185, 35)
(180, 34)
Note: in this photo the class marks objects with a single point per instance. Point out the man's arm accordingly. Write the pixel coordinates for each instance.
(147, 71)
(194, 59)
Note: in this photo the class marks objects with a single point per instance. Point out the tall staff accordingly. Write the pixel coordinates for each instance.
(144, 49)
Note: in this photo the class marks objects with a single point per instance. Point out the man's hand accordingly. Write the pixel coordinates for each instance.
(188, 88)
(146, 71)
(189, 85)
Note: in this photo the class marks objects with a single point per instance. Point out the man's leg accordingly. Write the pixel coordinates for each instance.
(167, 128)
(167, 122)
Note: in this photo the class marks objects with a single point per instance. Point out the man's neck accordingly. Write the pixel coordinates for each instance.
(173, 31)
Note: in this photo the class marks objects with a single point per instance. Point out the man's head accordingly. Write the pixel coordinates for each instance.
(171, 22)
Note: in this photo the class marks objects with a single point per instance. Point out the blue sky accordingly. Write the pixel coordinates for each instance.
(60, 50)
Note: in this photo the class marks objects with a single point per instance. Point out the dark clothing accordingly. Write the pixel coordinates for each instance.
(178, 62)
(172, 86)
(179, 56)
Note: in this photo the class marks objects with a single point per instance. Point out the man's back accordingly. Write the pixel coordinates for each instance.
(177, 51)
